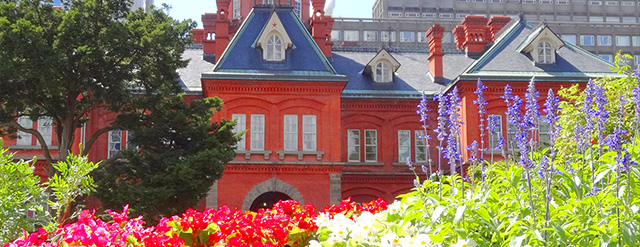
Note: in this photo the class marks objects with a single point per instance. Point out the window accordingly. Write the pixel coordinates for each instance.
(236, 8)
(635, 40)
(412, 14)
(579, 2)
(529, 1)
(274, 48)
(129, 143)
(383, 72)
(309, 134)
(463, 0)
(628, 3)
(353, 145)
(422, 37)
(446, 37)
(613, 19)
(430, 15)
(595, 2)
(623, 40)
(370, 145)
(637, 59)
(241, 125)
(24, 139)
(569, 38)
(407, 37)
(596, 19)
(544, 52)
(335, 35)
(386, 36)
(370, 35)
(511, 132)
(421, 146)
(562, 2)
(607, 57)
(404, 145)
(612, 3)
(544, 139)
(45, 127)
(297, 7)
(395, 14)
(587, 40)
(478, 1)
(604, 40)
(460, 16)
(546, 2)
(495, 138)
(629, 20)
(115, 142)
(290, 132)
(445, 15)
(268, 1)
(351, 35)
(257, 132)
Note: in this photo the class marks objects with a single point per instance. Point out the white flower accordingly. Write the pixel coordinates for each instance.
(465, 243)
(314, 243)
(390, 240)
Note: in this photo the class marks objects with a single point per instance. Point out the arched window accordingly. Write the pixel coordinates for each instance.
(274, 48)
(544, 52)
(383, 72)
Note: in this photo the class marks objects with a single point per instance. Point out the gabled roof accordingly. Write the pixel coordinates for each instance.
(243, 60)
(543, 31)
(382, 54)
(273, 25)
(503, 60)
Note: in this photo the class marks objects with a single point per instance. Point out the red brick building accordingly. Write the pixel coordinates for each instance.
(322, 125)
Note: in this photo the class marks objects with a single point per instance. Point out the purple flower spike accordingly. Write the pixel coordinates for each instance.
(533, 114)
(474, 151)
(552, 108)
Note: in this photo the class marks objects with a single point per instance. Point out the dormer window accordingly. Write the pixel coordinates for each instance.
(541, 45)
(274, 48)
(545, 52)
(383, 72)
(381, 67)
(274, 40)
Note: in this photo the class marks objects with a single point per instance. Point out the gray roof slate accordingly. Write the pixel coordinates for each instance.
(190, 75)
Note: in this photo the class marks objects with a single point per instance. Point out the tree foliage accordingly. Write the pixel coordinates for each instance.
(179, 155)
(64, 63)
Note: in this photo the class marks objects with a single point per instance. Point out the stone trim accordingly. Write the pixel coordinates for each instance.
(335, 188)
(212, 196)
(248, 153)
(272, 185)
(300, 154)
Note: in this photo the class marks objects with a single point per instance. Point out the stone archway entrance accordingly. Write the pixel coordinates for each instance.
(266, 200)
(274, 186)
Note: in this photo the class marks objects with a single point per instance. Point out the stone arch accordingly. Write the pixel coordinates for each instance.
(272, 185)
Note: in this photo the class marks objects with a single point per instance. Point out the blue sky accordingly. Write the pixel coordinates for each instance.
(185, 9)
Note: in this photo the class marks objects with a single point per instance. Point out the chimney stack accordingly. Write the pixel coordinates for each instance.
(434, 36)
(476, 35)
(321, 26)
(496, 23)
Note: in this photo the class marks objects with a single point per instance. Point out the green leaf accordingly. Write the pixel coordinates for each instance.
(459, 213)
(437, 213)
(517, 241)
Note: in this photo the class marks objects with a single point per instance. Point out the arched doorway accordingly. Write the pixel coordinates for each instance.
(266, 200)
(273, 185)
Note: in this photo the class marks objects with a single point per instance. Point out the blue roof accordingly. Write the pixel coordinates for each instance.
(304, 56)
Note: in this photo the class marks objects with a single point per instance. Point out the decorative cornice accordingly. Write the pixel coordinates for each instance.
(376, 105)
(271, 89)
(319, 167)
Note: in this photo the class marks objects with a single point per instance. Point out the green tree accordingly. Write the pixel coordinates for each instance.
(97, 54)
(179, 155)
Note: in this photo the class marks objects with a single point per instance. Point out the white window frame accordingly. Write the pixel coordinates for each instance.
(309, 133)
(629, 19)
(511, 142)
(635, 40)
(129, 135)
(395, 14)
(623, 40)
(543, 131)
(24, 138)
(370, 145)
(45, 127)
(414, 15)
(236, 8)
(370, 36)
(612, 19)
(596, 19)
(562, 2)
(383, 72)
(446, 15)
(570, 38)
(353, 144)
(297, 8)
(628, 3)
(595, 2)
(336, 35)
(546, 1)
(612, 3)
(290, 131)
(495, 1)
(528, 1)
(411, 37)
(115, 143)
(404, 145)
(607, 57)
(604, 40)
(351, 35)
(386, 36)
(494, 139)
(241, 125)
(636, 59)
(545, 52)
(257, 132)
(583, 38)
(420, 144)
(429, 15)
(275, 48)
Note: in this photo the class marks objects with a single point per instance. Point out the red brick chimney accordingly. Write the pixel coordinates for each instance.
(458, 34)
(477, 35)
(434, 36)
(222, 27)
(198, 36)
(496, 23)
(321, 26)
(208, 40)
